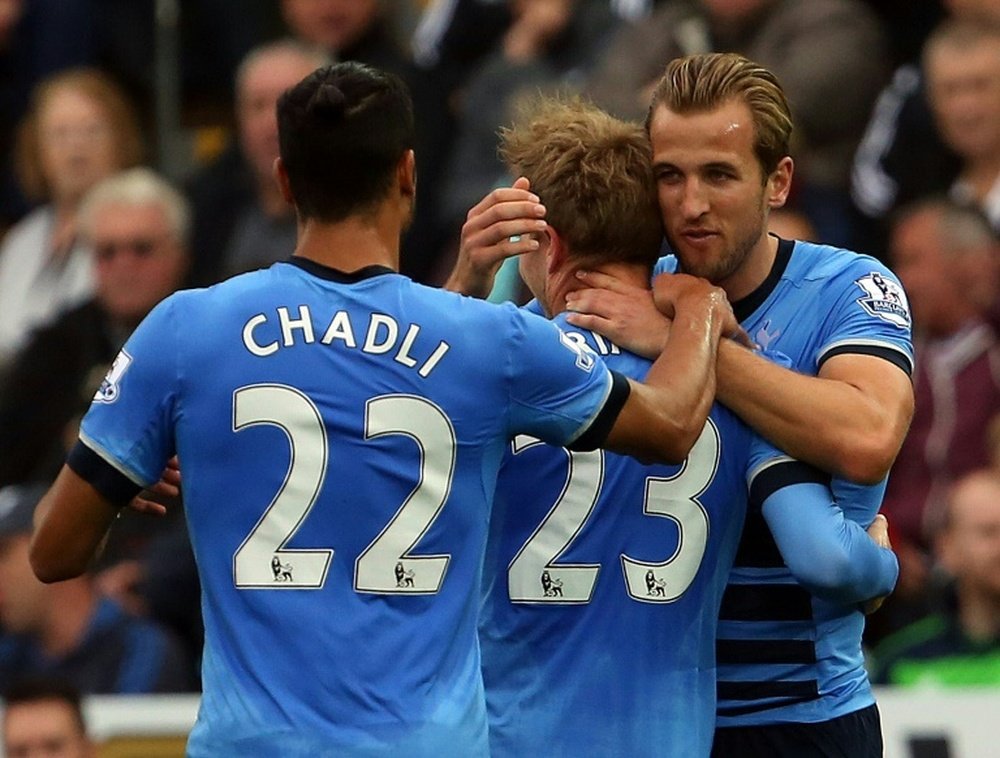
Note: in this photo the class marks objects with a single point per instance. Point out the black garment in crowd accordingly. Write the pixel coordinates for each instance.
(48, 388)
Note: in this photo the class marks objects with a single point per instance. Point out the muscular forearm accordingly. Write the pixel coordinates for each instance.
(850, 429)
(683, 376)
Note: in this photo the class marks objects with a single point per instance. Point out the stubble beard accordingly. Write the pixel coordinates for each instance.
(719, 270)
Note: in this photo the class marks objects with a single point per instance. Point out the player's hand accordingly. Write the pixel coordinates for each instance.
(622, 312)
(169, 486)
(500, 226)
(879, 532)
(669, 290)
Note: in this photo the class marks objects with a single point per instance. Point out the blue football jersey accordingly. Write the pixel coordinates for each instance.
(784, 654)
(603, 581)
(340, 437)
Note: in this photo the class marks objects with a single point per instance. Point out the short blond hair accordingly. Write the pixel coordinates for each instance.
(593, 173)
(106, 94)
(705, 82)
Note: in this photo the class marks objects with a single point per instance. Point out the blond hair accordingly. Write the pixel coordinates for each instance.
(593, 173)
(705, 82)
(101, 90)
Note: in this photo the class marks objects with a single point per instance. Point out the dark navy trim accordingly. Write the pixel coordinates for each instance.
(783, 474)
(790, 692)
(757, 548)
(895, 357)
(601, 426)
(336, 275)
(807, 689)
(737, 652)
(766, 602)
(744, 307)
(101, 475)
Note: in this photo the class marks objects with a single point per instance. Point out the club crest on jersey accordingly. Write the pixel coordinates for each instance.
(585, 357)
(884, 299)
(108, 391)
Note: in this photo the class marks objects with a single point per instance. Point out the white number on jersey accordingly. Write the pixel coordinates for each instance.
(434, 435)
(534, 576)
(676, 498)
(263, 562)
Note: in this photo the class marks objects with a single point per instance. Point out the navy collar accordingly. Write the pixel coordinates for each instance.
(336, 275)
(745, 306)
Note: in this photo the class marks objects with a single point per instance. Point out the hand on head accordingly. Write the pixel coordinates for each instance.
(497, 228)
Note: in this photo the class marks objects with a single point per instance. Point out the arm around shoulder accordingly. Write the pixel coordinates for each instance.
(833, 557)
(850, 420)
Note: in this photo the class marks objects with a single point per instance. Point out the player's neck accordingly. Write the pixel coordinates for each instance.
(753, 271)
(562, 282)
(352, 244)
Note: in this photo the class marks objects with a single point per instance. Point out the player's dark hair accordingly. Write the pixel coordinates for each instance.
(38, 689)
(342, 131)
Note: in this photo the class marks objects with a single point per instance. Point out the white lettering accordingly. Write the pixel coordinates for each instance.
(372, 345)
(435, 358)
(403, 355)
(251, 344)
(381, 338)
(340, 329)
(303, 322)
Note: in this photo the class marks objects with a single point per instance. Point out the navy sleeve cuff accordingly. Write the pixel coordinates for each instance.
(895, 357)
(101, 475)
(783, 474)
(602, 424)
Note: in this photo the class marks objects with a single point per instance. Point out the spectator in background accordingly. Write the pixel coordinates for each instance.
(903, 156)
(549, 45)
(43, 718)
(79, 130)
(37, 39)
(960, 645)
(349, 30)
(962, 61)
(241, 222)
(68, 630)
(813, 46)
(138, 227)
(947, 259)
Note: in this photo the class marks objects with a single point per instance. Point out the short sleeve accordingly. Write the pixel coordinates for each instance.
(558, 386)
(870, 316)
(130, 421)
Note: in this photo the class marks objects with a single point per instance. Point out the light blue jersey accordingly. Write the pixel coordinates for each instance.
(340, 437)
(603, 581)
(786, 655)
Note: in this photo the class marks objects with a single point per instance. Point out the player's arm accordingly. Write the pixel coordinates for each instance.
(830, 555)
(496, 228)
(71, 523)
(125, 441)
(664, 414)
(849, 420)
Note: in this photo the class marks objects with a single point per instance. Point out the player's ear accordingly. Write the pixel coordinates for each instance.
(281, 177)
(780, 182)
(406, 174)
(554, 247)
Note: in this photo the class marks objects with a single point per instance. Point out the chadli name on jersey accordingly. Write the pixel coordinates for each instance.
(381, 336)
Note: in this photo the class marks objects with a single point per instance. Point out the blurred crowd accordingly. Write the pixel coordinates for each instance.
(897, 107)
